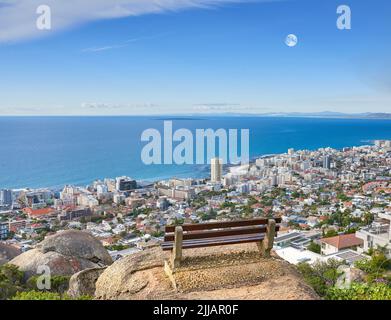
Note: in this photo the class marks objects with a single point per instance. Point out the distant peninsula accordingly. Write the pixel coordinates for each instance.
(322, 114)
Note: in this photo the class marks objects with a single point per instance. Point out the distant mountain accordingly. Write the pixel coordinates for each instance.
(378, 115)
(331, 114)
(322, 114)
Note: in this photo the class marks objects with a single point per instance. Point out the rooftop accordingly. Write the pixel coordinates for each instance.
(38, 212)
(343, 241)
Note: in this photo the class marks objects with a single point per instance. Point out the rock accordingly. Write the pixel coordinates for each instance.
(65, 253)
(58, 264)
(83, 282)
(76, 243)
(357, 275)
(351, 274)
(119, 279)
(141, 276)
(7, 253)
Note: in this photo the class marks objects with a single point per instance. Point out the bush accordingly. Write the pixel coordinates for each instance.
(321, 275)
(314, 247)
(45, 295)
(211, 214)
(36, 295)
(117, 247)
(376, 267)
(330, 233)
(10, 281)
(58, 284)
(358, 291)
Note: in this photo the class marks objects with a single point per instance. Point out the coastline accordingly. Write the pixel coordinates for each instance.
(40, 152)
(146, 183)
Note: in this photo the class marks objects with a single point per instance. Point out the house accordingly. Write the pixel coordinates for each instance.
(108, 241)
(335, 244)
(3, 230)
(357, 213)
(377, 234)
(16, 225)
(39, 213)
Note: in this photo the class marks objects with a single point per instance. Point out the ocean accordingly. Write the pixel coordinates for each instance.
(54, 151)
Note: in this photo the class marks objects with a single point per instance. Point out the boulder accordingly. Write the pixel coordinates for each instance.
(119, 280)
(7, 253)
(78, 244)
(65, 253)
(83, 282)
(141, 276)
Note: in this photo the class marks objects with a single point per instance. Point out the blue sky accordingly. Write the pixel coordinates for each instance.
(194, 56)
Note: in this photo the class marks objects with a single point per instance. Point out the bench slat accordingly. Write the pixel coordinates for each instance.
(188, 244)
(222, 225)
(219, 233)
(245, 236)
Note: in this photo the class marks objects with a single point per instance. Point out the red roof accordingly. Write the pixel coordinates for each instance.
(37, 225)
(343, 241)
(38, 212)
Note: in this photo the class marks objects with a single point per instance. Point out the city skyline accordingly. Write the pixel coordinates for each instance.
(189, 57)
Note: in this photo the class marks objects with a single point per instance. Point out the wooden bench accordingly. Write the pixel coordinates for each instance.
(261, 231)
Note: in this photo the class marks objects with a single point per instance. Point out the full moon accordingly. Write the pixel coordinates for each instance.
(291, 40)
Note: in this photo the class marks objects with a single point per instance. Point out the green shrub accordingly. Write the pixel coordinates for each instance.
(58, 284)
(358, 291)
(11, 280)
(45, 295)
(117, 247)
(330, 233)
(321, 275)
(376, 267)
(36, 295)
(314, 247)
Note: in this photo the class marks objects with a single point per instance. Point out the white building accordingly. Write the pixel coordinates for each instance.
(378, 234)
(216, 170)
(101, 189)
(119, 198)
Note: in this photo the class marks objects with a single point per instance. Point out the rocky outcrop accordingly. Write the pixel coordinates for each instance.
(208, 273)
(7, 253)
(65, 253)
(351, 274)
(120, 280)
(83, 282)
(78, 244)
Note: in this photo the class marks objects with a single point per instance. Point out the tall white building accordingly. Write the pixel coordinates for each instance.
(101, 189)
(327, 162)
(5, 197)
(377, 234)
(216, 170)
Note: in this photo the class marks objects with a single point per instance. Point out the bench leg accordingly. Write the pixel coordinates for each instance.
(266, 245)
(177, 249)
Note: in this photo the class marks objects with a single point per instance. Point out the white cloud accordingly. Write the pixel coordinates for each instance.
(228, 107)
(122, 45)
(133, 106)
(105, 48)
(18, 17)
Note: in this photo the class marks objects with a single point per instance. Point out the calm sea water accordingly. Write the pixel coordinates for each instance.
(53, 151)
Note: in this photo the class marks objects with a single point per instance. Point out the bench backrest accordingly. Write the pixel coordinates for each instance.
(220, 229)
